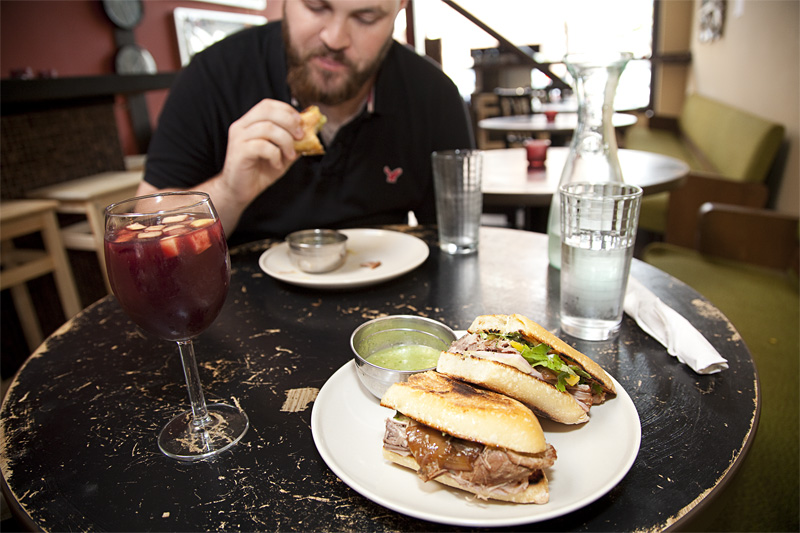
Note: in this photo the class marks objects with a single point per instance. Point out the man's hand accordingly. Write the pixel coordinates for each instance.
(260, 149)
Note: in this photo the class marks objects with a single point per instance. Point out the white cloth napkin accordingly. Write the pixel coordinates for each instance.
(672, 330)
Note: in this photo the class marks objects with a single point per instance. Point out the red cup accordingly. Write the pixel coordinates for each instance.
(551, 115)
(537, 152)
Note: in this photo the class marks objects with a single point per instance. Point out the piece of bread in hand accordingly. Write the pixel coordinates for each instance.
(312, 121)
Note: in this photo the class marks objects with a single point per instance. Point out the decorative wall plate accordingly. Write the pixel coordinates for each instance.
(125, 14)
(132, 59)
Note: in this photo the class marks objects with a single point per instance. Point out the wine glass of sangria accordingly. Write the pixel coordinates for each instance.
(168, 265)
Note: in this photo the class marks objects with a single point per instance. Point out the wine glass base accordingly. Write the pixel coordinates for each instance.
(182, 439)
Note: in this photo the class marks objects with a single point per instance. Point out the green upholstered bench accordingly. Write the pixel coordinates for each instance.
(714, 139)
(746, 264)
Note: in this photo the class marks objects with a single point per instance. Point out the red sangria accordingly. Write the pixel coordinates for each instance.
(168, 265)
(169, 273)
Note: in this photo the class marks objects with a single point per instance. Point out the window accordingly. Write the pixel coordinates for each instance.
(556, 26)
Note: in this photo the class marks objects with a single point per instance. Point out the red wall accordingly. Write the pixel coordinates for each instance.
(75, 38)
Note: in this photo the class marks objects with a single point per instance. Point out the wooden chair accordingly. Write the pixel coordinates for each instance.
(514, 101)
(759, 237)
(717, 141)
(683, 209)
(24, 217)
(89, 197)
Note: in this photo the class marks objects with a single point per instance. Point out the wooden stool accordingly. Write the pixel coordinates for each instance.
(89, 196)
(23, 217)
(135, 162)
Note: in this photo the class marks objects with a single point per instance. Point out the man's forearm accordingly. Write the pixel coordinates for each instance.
(228, 206)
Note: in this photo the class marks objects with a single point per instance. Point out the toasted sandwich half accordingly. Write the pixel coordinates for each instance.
(515, 356)
(468, 438)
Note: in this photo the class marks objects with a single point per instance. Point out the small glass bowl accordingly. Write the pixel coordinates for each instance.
(317, 250)
(389, 332)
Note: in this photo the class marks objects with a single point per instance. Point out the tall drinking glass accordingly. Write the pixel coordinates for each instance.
(598, 231)
(168, 265)
(459, 199)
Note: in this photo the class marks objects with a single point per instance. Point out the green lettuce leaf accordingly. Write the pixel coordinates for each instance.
(553, 362)
(542, 355)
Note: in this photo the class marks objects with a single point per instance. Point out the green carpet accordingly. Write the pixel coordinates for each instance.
(763, 306)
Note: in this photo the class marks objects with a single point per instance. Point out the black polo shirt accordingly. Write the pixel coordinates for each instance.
(376, 170)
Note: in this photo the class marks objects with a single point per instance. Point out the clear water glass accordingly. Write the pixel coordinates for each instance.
(598, 231)
(459, 199)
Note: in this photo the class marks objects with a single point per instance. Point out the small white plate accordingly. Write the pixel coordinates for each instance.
(347, 424)
(394, 253)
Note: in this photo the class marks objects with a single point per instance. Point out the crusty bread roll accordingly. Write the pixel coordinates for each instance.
(506, 324)
(312, 121)
(535, 492)
(544, 398)
(497, 427)
(463, 411)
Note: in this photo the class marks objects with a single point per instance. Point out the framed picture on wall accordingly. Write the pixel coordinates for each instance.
(197, 29)
(712, 20)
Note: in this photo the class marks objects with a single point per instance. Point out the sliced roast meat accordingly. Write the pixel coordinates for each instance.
(394, 439)
(474, 344)
(472, 464)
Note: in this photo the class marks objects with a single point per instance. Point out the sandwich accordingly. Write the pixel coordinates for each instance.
(312, 121)
(467, 438)
(515, 356)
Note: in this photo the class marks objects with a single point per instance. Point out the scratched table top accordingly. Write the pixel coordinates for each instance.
(78, 427)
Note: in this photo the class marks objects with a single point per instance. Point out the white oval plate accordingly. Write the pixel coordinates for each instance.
(347, 424)
(397, 253)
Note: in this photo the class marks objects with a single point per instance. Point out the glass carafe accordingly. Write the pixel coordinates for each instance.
(593, 149)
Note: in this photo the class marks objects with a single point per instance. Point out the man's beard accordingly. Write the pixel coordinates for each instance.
(307, 91)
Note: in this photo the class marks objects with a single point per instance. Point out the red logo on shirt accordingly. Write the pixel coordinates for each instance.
(392, 175)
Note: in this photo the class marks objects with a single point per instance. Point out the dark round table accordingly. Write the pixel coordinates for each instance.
(78, 429)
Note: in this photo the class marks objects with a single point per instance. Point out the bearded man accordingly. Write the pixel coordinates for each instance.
(231, 119)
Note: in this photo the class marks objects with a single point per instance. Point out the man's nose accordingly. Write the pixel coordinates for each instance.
(336, 34)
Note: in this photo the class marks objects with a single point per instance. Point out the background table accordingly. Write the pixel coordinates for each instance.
(509, 183)
(79, 423)
(564, 106)
(538, 123)
(507, 180)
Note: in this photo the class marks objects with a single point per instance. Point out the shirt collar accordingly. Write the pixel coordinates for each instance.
(371, 99)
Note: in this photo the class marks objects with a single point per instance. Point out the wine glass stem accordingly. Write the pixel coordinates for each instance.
(199, 411)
